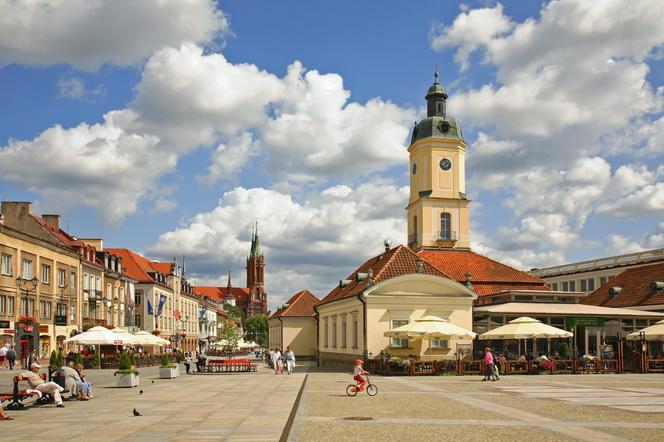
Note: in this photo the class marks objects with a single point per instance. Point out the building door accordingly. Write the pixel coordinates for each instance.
(25, 346)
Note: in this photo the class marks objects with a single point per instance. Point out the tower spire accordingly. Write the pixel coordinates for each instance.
(435, 75)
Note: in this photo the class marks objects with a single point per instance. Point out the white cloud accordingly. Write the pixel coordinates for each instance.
(648, 200)
(88, 33)
(228, 159)
(74, 88)
(470, 31)
(102, 166)
(655, 239)
(621, 244)
(309, 244)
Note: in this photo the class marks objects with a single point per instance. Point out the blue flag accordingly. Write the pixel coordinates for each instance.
(203, 311)
(150, 311)
(162, 301)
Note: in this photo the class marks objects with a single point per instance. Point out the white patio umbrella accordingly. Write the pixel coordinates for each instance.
(144, 338)
(96, 336)
(525, 328)
(432, 327)
(124, 335)
(653, 333)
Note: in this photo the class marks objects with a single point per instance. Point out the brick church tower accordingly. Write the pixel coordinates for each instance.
(255, 277)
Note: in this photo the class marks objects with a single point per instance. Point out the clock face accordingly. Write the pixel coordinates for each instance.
(414, 168)
(445, 164)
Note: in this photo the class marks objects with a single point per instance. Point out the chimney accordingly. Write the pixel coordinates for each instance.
(53, 220)
(14, 212)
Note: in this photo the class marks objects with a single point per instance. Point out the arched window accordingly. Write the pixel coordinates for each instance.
(445, 226)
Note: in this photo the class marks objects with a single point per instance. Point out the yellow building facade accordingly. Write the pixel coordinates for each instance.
(294, 325)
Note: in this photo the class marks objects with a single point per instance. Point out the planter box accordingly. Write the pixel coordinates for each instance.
(127, 380)
(169, 373)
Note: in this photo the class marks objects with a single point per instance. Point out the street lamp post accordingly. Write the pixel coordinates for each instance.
(28, 285)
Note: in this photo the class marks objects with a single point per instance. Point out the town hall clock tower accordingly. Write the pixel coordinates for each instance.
(438, 210)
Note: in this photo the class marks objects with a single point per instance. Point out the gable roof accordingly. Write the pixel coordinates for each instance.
(68, 240)
(138, 267)
(241, 294)
(487, 276)
(635, 283)
(395, 262)
(300, 304)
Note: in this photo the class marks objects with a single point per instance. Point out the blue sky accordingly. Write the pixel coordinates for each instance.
(182, 126)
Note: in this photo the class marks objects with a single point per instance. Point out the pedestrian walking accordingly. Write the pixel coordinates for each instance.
(3, 355)
(277, 363)
(496, 371)
(11, 357)
(187, 362)
(290, 360)
(488, 365)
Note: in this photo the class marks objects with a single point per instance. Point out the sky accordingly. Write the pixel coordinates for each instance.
(170, 128)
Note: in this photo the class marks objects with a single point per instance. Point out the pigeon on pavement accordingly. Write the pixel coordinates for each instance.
(136, 413)
(140, 392)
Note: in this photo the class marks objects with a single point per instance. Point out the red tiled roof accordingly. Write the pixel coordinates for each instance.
(67, 240)
(166, 268)
(635, 283)
(395, 262)
(486, 275)
(301, 304)
(241, 294)
(136, 266)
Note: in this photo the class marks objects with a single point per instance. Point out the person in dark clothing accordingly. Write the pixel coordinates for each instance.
(11, 357)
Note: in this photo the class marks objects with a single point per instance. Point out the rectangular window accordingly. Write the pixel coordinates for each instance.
(10, 305)
(325, 333)
(334, 331)
(24, 307)
(97, 283)
(61, 309)
(343, 331)
(62, 275)
(45, 273)
(6, 264)
(355, 330)
(86, 283)
(109, 291)
(603, 280)
(3, 303)
(399, 342)
(565, 286)
(554, 286)
(584, 285)
(591, 284)
(572, 286)
(27, 269)
(45, 309)
(138, 322)
(72, 281)
(440, 343)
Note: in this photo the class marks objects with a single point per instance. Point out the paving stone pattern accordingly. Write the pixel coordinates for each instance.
(542, 408)
(234, 407)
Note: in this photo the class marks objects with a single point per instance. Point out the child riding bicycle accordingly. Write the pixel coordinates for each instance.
(358, 371)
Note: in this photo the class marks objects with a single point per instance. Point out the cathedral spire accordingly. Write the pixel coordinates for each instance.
(255, 244)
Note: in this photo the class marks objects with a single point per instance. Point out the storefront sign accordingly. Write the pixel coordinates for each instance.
(10, 331)
(4, 324)
(27, 329)
(117, 342)
(61, 320)
(585, 322)
(43, 329)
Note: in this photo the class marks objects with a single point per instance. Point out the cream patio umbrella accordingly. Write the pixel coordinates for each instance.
(124, 335)
(525, 328)
(653, 333)
(96, 336)
(144, 338)
(432, 327)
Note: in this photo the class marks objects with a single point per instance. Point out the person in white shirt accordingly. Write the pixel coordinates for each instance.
(290, 360)
(3, 355)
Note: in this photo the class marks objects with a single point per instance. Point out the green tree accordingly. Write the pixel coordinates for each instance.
(229, 334)
(255, 328)
(235, 312)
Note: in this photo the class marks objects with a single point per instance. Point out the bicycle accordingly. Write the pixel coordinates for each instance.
(353, 389)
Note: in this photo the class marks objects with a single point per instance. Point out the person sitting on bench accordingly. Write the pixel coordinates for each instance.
(37, 383)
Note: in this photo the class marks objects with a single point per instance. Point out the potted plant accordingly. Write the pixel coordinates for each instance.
(564, 350)
(126, 376)
(168, 370)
